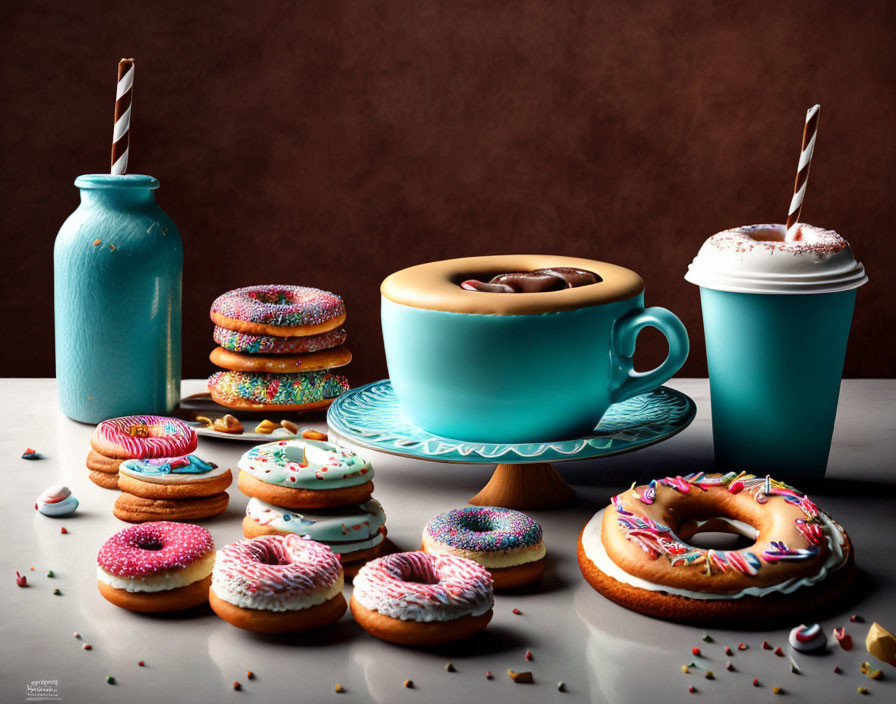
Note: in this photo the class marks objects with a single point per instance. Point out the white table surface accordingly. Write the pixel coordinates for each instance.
(601, 651)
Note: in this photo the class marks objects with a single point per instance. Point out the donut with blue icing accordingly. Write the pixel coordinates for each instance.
(304, 474)
(507, 543)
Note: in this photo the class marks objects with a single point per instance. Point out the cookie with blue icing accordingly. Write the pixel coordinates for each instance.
(185, 477)
(305, 474)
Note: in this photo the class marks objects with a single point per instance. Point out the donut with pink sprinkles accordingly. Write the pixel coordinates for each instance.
(143, 437)
(147, 549)
(278, 310)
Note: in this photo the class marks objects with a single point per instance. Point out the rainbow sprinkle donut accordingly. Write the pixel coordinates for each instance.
(266, 391)
(278, 310)
(158, 566)
(268, 344)
(142, 437)
(507, 543)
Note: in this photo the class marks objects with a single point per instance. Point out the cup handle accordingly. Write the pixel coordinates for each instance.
(624, 341)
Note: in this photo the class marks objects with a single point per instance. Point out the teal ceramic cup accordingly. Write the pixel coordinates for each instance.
(117, 265)
(776, 318)
(518, 368)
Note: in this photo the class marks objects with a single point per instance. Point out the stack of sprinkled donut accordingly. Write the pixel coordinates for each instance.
(314, 489)
(278, 345)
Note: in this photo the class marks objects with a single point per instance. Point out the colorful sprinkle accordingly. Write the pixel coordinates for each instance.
(31, 454)
(110, 679)
(777, 690)
(521, 677)
(837, 670)
(779, 652)
(862, 690)
(51, 574)
(237, 686)
(685, 669)
(865, 667)
(516, 612)
(843, 638)
(250, 674)
(97, 242)
(742, 646)
(561, 686)
(794, 668)
(339, 689)
(21, 579)
(489, 676)
(449, 667)
(695, 651)
(765, 645)
(707, 638)
(728, 650)
(409, 684)
(63, 530)
(755, 681)
(875, 674)
(708, 675)
(140, 663)
(57, 592)
(729, 667)
(87, 646)
(529, 655)
(76, 635)
(855, 618)
(692, 689)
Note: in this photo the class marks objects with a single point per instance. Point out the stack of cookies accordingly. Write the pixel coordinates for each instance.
(277, 346)
(135, 437)
(171, 489)
(316, 489)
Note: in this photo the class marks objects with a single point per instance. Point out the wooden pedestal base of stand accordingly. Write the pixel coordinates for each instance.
(525, 486)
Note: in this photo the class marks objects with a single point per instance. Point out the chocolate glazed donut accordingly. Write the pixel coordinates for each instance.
(538, 281)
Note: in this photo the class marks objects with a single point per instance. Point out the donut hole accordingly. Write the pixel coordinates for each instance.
(477, 523)
(151, 544)
(417, 574)
(720, 533)
(274, 298)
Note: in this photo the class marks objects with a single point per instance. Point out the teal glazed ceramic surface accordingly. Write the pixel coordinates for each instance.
(117, 266)
(369, 416)
(775, 363)
(521, 378)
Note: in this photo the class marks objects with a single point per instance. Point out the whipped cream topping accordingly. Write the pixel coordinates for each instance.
(759, 259)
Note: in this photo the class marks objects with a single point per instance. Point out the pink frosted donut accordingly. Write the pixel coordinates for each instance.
(269, 344)
(143, 437)
(276, 573)
(420, 586)
(147, 549)
(281, 311)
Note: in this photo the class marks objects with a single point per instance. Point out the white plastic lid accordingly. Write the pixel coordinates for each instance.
(757, 259)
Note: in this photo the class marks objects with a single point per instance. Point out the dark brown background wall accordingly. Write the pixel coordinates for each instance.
(331, 143)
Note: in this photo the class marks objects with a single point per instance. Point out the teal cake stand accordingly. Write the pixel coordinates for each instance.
(524, 478)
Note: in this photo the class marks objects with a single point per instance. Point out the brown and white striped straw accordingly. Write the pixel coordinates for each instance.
(810, 132)
(121, 131)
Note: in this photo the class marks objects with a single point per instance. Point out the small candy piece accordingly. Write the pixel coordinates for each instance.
(779, 652)
(311, 434)
(794, 668)
(855, 618)
(807, 639)
(862, 690)
(709, 675)
(521, 677)
(765, 645)
(529, 655)
(206, 422)
(875, 674)
(110, 679)
(449, 667)
(837, 670)
(21, 579)
(31, 454)
(289, 426)
(339, 689)
(87, 646)
(561, 686)
(865, 667)
(742, 646)
(777, 690)
(237, 686)
(695, 651)
(76, 635)
(692, 689)
(51, 574)
(63, 530)
(728, 650)
(516, 612)
(250, 675)
(141, 664)
(97, 242)
(692, 664)
(57, 592)
(266, 427)
(409, 684)
(843, 638)
(707, 638)
(755, 681)
(685, 669)
(227, 424)
(729, 667)
(489, 676)
(881, 643)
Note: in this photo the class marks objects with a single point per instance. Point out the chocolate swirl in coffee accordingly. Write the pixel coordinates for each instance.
(537, 281)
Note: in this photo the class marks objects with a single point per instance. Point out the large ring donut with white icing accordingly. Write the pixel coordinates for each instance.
(417, 598)
(155, 567)
(636, 553)
(278, 310)
(277, 584)
(142, 437)
(507, 543)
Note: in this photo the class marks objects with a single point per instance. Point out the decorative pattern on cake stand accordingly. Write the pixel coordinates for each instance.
(369, 416)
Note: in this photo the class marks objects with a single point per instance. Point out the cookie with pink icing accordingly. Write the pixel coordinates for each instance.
(277, 584)
(143, 437)
(278, 310)
(155, 567)
(418, 598)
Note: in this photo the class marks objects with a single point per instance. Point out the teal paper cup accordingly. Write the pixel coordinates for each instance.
(776, 319)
